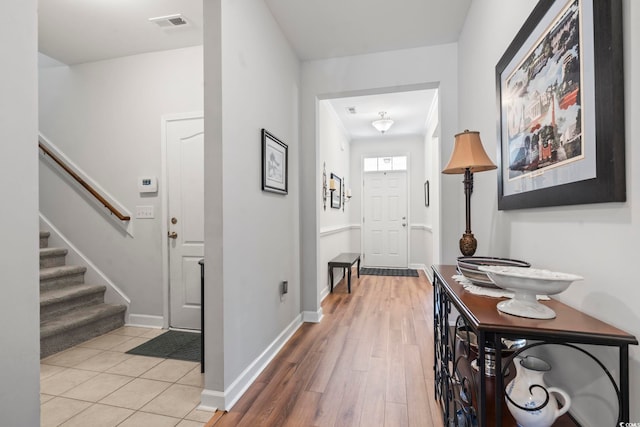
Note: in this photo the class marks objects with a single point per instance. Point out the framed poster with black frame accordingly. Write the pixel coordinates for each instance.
(275, 165)
(560, 99)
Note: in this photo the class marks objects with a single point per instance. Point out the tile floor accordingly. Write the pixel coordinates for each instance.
(97, 384)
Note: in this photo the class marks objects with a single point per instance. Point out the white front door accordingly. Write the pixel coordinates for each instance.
(385, 219)
(185, 184)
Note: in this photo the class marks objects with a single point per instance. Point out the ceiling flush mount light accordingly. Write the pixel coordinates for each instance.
(468, 157)
(383, 124)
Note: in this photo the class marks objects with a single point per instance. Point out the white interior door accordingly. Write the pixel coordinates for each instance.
(385, 219)
(185, 182)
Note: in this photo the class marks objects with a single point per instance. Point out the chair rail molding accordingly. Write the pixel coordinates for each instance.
(327, 231)
(424, 227)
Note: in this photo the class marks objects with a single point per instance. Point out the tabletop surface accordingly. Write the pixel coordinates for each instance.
(569, 323)
(345, 258)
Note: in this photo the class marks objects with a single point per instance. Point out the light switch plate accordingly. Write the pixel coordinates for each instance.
(144, 212)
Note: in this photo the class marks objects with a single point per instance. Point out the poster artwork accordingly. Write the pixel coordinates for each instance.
(543, 101)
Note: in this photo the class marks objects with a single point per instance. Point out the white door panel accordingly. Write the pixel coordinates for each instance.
(385, 219)
(185, 181)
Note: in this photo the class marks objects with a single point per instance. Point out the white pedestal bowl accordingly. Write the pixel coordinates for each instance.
(526, 283)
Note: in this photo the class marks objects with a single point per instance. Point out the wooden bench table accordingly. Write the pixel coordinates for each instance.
(344, 261)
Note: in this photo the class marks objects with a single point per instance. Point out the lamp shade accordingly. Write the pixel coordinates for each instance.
(468, 153)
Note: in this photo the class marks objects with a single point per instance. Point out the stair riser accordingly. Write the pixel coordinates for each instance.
(44, 241)
(59, 342)
(52, 261)
(52, 310)
(62, 281)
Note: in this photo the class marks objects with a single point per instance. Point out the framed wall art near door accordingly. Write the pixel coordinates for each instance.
(560, 99)
(275, 166)
(336, 195)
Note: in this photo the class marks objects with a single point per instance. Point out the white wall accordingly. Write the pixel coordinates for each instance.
(432, 173)
(106, 117)
(213, 224)
(597, 241)
(259, 88)
(426, 67)
(19, 305)
(335, 152)
(413, 147)
(335, 227)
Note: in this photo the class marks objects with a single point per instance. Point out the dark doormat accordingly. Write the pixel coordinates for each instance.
(172, 345)
(389, 272)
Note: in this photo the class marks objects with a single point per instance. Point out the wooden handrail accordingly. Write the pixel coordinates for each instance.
(82, 182)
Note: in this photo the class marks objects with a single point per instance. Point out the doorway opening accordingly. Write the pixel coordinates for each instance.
(348, 145)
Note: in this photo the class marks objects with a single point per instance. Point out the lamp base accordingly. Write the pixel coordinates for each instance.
(468, 244)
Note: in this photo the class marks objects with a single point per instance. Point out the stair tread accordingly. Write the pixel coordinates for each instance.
(62, 270)
(45, 252)
(78, 318)
(52, 296)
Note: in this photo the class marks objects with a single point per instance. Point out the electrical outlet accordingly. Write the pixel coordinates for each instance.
(144, 212)
(285, 287)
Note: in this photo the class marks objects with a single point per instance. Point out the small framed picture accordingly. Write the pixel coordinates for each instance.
(336, 192)
(275, 167)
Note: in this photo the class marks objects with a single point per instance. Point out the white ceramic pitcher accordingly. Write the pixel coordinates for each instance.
(528, 390)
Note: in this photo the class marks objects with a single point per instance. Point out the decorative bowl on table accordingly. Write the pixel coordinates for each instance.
(526, 283)
(469, 267)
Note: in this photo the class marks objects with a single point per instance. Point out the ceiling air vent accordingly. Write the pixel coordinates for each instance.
(169, 21)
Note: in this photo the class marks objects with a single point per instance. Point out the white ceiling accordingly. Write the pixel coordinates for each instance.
(330, 28)
(74, 32)
(408, 110)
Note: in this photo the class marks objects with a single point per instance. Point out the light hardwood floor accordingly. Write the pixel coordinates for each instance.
(369, 362)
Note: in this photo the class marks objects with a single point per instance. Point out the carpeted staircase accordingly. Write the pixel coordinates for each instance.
(71, 311)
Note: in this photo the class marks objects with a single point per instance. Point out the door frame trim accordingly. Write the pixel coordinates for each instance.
(164, 217)
(408, 190)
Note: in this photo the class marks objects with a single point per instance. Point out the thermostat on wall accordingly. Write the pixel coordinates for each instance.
(148, 184)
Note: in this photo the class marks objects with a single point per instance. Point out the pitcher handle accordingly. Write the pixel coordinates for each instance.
(565, 397)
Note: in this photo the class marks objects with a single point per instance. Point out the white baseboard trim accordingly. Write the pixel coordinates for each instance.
(225, 400)
(145, 321)
(429, 274)
(206, 408)
(417, 266)
(324, 293)
(312, 316)
(424, 268)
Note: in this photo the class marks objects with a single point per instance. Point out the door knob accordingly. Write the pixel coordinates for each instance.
(172, 235)
(404, 224)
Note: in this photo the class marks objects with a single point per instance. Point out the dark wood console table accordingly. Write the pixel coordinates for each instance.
(480, 315)
(344, 261)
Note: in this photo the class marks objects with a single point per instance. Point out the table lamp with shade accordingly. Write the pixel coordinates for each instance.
(467, 158)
